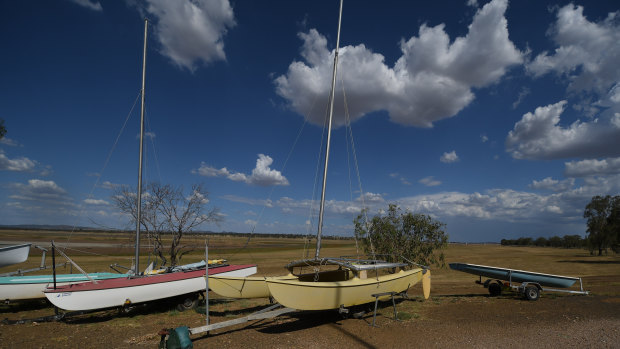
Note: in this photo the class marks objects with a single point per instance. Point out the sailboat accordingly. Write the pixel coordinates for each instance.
(348, 283)
(138, 288)
(15, 286)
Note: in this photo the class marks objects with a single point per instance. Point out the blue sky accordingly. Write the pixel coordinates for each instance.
(500, 119)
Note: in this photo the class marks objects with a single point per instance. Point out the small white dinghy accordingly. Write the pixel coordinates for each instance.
(14, 254)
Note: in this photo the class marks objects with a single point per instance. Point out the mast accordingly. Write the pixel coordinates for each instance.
(139, 207)
(329, 134)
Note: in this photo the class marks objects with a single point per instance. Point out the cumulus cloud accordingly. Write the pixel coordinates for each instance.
(261, 175)
(191, 32)
(553, 184)
(96, 202)
(430, 181)
(539, 135)
(449, 157)
(38, 190)
(587, 54)
(592, 167)
(432, 80)
(89, 4)
(19, 165)
(371, 197)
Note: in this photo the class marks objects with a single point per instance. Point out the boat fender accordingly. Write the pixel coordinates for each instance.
(178, 338)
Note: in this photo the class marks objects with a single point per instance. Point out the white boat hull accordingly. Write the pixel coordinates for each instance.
(15, 254)
(140, 290)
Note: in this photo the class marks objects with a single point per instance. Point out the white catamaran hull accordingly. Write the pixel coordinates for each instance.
(305, 295)
(131, 291)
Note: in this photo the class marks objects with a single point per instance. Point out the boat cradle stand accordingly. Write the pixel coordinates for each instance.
(391, 294)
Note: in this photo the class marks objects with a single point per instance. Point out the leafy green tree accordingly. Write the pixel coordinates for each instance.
(417, 237)
(603, 215)
(572, 241)
(541, 242)
(2, 129)
(555, 241)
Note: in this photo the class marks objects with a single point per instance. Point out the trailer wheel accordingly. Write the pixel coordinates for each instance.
(495, 289)
(187, 302)
(532, 293)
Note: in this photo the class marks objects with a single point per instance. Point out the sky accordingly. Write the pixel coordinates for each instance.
(500, 119)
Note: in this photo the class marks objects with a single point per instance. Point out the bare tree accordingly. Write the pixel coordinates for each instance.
(167, 214)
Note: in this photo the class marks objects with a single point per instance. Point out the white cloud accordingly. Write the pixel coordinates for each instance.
(430, 181)
(449, 157)
(261, 175)
(89, 4)
(553, 184)
(109, 185)
(472, 3)
(39, 190)
(19, 165)
(96, 202)
(192, 32)
(484, 138)
(251, 222)
(10, 142)
(522, 94)
(539, 135)
(587, 54)
(248, 201)
(592, 167)
(402, 179)
(432, 80)
(370, 197)
(199, 196)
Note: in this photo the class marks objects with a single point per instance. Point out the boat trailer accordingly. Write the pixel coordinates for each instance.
(529, 289)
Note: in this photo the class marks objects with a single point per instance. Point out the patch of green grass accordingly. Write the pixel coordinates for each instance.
(173, 312)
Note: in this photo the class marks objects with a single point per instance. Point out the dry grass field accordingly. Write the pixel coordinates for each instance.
(459, 313)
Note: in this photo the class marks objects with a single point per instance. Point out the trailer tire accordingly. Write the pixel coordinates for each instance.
(187, 302)
(495, 289)
(532, 293)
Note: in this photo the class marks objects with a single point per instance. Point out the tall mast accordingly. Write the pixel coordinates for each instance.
(139, 213)
(329, 135)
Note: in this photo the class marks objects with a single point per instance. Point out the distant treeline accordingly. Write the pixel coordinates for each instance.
(273, 235)
(568, 241)
(194, 233)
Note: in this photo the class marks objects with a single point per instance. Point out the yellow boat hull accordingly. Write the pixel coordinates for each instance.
(243, 287)
(307, 295)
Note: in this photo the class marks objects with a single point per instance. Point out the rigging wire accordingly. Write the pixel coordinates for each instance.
(357, 171)
(105, 164)
(312, 209)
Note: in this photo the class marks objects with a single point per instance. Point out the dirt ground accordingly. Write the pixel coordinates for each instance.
(459, 313)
